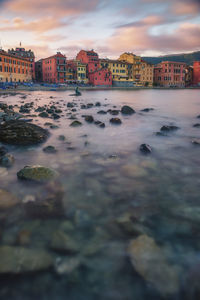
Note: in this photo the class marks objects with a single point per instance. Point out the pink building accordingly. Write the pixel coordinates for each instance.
(196, 73)
(95, 73)
(54, 68)
(170, 74)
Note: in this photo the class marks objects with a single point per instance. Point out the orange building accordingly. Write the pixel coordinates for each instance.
(54, 69)
(14, 69)
(196, 73)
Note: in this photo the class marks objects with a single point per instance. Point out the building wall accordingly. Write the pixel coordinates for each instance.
(196, 73)
(170, 74)
(14, 69)
(101, 77)
(146, 74)
(54, 69)
(90, 58)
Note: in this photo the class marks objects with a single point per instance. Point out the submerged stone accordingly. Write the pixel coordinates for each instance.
(7, 161)
(115, 121)
(89, 119)
(50, 149)
(17, 260)
(150, 262)
(7, 200)
(169, 128)
(63, 242)
(145, 148)
(127, 110)
(3, 151)
(76, 124)
(37, 173)
(196, 125)
(196, 142)
(147, 109)
(43, 114)
(22, 133)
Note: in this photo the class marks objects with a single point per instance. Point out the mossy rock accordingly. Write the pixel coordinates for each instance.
(37, 173)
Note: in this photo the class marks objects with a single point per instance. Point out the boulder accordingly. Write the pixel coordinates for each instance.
(7, 200)
(197, 125)
(22, 133)
(127, 110)
(169, 128)
(147, 109)
(7, 160)
(76, 124)
(50, 149)
(43, 114)
(145, 148)
(196, 142)
(115, 121)
(149, 260)
(37, 173)
(89, 119)
(19, 260)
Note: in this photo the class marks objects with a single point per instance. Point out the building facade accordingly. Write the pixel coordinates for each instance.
(28, 54)
(14, 69)
(146, 74)
(38, 71)
(54, 69)
(121, 75)
(196, 73)
(96, 74)
(135, 71)
(76, 71)
(170, 74)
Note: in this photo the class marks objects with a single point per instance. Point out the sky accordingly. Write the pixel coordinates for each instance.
(110, 27)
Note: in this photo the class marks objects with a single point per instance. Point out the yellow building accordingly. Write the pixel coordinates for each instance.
(142, 72)
(81, 71)
(146, 73)
(121, 71)
(14, 69)
(76, 71)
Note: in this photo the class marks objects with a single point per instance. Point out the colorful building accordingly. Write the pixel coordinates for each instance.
(14, 68)
(146, 73)
(95, 73)
(76, 71)
(188, 76)
(170, 74)
(196, 73)
(135, 61)
(54, 69)
(28, 54)
(121, 72)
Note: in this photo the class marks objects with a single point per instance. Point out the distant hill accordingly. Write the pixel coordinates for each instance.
(188, 58)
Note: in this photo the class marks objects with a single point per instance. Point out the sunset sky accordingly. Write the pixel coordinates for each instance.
(145, 27)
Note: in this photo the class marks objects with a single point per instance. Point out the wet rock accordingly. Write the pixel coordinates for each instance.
(58, 111)
(89, 105)
(17, 260)
(7, 161)
(145, 148)
(83, 106)
(196, 125)
(70, 104)
(198, 116)
(89, 119)
(147, 109)
(99, 124)
(115, 121)
(150, 262)
(55, 116)
(24, 110)
(161, 133)
(61, 138)
(102, 112)
(169, 128)
(50, 149)
(7, 200)
(40, 109)
(43, 114)
(62, 242)
(97, 104)
(37, 173)
(127, 110)
(22, 133)
(54, 126)
(114, 112)
(76, 124)
(3, 151)
(67, 265)
(196, 142)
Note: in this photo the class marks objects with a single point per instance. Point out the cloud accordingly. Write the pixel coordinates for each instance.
(52, 7)
(139, 39)
(37, 26)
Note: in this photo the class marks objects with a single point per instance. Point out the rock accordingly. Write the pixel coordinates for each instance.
(61, 137)
(7, 161)
(196, 125)
(58, 111)
(89, 119)
(55, 116)
(7, 200)
(50, 149)
(54, 126)
(43, 114)
(114, 112)
(40, 109)
(70, 104)
(161, 133)
(196, 142)
(102, 112)
(3, 151)
(198, 116)
(97, 104)
(67, 265)
(115, 121)
(37, 173)
(99, 124)
(62, 242)
(17, 260)
(24, 110)
(145, 148)
(22, 133)
(149, 260)
(127, 110)
(76, 124)
(169, 128)
(147, 109)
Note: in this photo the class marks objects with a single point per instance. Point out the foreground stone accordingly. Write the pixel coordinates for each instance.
(76, 124)
(50, 149)
(37, 173)
(22, 133)
(196, 142)
(7, 160)
(149, 261)
(169, 128)
(115, 121)
(145, 148)
(7, 200)
(127, 110)
(62, 242)
(17, 260)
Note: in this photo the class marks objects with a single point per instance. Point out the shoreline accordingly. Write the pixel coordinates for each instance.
(61, 89)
